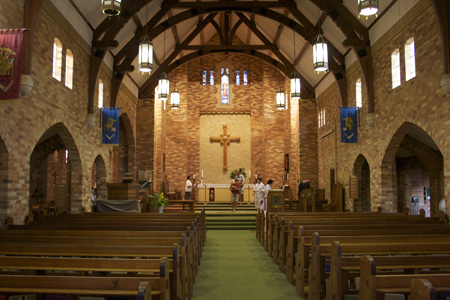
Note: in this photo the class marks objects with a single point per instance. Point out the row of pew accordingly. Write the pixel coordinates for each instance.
(368, 255)
(137, 256)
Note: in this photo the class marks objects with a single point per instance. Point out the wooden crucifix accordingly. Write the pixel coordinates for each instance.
(224, 140)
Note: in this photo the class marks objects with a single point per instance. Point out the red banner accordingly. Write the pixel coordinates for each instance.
(10, 63)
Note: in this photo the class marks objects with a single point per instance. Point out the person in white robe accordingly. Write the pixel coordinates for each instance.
(266, 193)
(258, 191)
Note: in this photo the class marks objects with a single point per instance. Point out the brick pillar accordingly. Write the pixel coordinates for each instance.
(435, 192)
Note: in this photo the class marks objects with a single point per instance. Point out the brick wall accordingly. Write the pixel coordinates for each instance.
(50, 109)
(417, 102)
(177, 131)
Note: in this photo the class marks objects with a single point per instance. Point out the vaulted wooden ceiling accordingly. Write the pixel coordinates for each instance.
(180, 31)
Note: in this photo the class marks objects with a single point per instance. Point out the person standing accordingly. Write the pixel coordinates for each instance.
(266, 193)
(188, 188)
(241, 180)
(258, 192)
(234, 188)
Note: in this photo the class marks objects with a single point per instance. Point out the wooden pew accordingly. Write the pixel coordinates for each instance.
(278, 225)
(320, 251)
(422, 289)
(341, 266)
(296, 271)
(79, 286)
(160, 285)
(171, 252)
(374, 286)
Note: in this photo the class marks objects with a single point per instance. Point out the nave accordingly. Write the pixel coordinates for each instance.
(235, 266)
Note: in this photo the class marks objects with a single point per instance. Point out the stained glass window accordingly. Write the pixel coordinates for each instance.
(67, 156)
(225, 86)
(245, 77)
(238, 77)
(211, 77)
(204, 77)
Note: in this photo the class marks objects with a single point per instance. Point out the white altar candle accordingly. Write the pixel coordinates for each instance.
(202, 173)
(256, 176)
(249, 173)
(287, 176)
(194, 176)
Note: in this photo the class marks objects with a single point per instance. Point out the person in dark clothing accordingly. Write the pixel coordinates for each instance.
(304, 185)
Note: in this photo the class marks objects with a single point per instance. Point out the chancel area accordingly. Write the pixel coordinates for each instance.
(297, 149)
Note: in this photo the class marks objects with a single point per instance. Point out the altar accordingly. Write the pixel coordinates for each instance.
(222, 192)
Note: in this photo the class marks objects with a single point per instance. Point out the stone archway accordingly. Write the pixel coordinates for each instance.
(362, 172)
(54, 170)
(3, 182)
(99, 176)
(126, 149)
(411, 152)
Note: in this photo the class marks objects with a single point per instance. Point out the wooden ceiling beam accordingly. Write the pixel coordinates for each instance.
(202, 33)
(249, 32)
(210, 48)
(307, 89)
(137, 21)
(150, 90)
(175, 52)
(174, 32)
(235, 28)
(233, 5)
(442, 11)
(279, 31)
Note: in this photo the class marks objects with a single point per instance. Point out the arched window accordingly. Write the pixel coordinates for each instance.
(410, 59)
(69, 69)
(225, 86)
(211, 77)
(358, 93)
(238, 77)
(57, 59)
(100, 93)
(395, 67)
(204, 77)
(322, 117)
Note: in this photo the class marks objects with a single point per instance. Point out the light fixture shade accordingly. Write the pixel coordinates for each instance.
(367, 7)
(295, 85)
(280, 100)
(163, 86)
(175, 99)
(320, 52)
(145, 54)
(111, 7)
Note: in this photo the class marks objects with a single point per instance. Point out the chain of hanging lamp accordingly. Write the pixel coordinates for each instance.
(145, 49)
(164, 83)
(320, 48)
(295, 77)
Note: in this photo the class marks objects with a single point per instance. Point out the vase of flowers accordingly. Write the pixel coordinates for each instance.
(159, 200)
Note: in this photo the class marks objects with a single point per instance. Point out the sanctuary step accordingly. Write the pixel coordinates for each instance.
(220, 217)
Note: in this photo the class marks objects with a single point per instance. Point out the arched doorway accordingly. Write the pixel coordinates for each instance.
(124, 155)
(99, 176)
(56, 170)
(412, 172)
(362, 172)
(3, 182)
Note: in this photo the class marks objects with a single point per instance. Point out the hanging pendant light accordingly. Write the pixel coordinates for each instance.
(145, 51)
(175, 99)
(367, 7)
(295, 77)
(164, 83)
(280, 95)
(111, 7)
(145, 54)
(320, 49)
(175, 96)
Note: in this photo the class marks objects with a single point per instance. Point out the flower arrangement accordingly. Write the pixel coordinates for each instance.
(233, 174)
(159, 200)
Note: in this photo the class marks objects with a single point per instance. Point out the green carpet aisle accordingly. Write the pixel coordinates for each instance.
(235, 266)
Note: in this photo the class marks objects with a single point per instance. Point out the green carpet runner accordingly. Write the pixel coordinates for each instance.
(220, 217)
(235, 266)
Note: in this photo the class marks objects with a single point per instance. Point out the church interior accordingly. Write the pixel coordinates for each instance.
(203, 89)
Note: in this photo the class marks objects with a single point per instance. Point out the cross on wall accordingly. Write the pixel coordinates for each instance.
(225, 140)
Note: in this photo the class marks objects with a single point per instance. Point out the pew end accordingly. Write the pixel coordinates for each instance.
(145, 291)
(421, 289)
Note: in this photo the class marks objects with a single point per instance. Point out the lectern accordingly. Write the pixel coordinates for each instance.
(275, 201)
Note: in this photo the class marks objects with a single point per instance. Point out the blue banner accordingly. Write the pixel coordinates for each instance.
(110, 125)
(349, 124)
